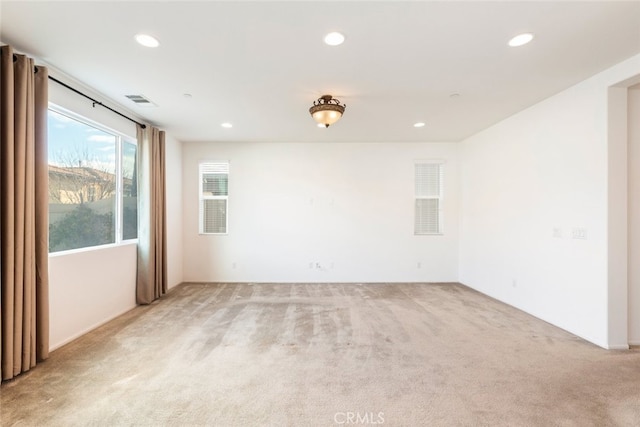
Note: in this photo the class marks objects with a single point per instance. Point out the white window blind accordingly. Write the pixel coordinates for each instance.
(428, 198)
(214, 197)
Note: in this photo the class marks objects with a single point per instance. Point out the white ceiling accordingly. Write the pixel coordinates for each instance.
(260, 65)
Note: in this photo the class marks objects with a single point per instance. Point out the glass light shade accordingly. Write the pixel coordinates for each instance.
(326, 110)
(326, 117)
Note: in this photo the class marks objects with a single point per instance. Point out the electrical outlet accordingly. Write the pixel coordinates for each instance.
(419, 265)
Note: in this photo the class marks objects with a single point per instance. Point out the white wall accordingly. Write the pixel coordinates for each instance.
(617, 249)
(634, 214)
(527, 185)
(173, 165)
(90, 287)
(348, 207)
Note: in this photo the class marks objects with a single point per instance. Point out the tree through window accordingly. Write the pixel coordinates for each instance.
(92, 185)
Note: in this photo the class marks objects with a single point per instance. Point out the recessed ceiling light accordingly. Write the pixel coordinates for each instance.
(454, 95)
(187, 95)
(419, 125)
(226, 125)
(147, 40)
(334, 39)
(521, 39)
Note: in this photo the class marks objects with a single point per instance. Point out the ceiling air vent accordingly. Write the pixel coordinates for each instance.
(141, 101)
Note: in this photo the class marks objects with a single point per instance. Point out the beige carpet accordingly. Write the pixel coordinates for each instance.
(325, 355)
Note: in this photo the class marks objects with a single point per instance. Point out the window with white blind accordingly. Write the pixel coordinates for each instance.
(428, 198)
(214, 197)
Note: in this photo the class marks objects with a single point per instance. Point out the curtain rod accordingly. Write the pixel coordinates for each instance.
(142, 125)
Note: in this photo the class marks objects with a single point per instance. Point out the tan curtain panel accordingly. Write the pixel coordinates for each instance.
(24, 188)
(152, 241)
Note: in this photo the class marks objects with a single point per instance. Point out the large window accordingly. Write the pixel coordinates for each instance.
(428, 198)
(92, 184)
(214, 197)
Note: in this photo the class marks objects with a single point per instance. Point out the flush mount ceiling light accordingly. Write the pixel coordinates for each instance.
(147, 40)
(227, 125)
(521, 39)
(419, 125)
(334, 39)
(326, 110)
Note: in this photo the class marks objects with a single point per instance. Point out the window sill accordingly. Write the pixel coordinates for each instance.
(93, 248)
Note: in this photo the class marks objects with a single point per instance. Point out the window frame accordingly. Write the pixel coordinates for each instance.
(202, 197)
(125, 139)
(439, 197)
(120, 140)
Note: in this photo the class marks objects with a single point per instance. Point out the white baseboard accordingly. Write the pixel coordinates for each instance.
(618, 347)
